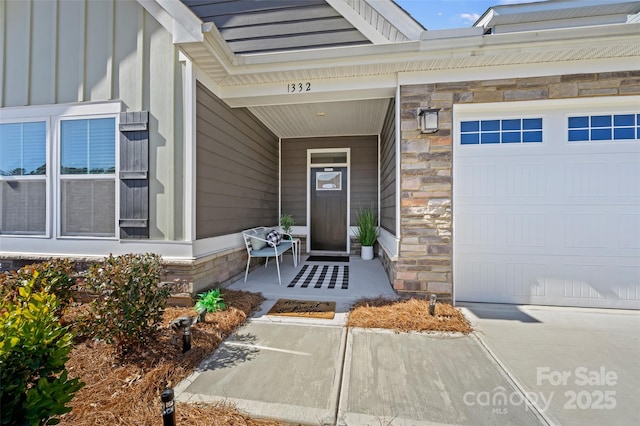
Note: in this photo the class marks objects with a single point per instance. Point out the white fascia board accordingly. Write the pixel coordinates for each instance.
(518, 71)
(390, 243)
(218, 46)
(484, 20)
(204, 78)
(487, 45)
(348, 54)
(210, 246)
(452, 33)
(175, 17)
(491, 109)
(397, 17)
(358, 21)
(83, 108)
(342, 89)
(92, 248)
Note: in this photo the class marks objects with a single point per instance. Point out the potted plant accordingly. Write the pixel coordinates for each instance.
(286, 222)
(367, 232)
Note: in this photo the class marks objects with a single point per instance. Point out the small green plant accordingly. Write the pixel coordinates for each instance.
(367, 229)
(287, 221)
(130, 300)
(210, 301)
(34, 348)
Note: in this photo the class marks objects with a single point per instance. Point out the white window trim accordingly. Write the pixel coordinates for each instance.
(52, 115)
(6, 119)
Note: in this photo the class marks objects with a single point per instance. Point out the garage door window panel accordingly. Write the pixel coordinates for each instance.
(507, 131)
(616, 127)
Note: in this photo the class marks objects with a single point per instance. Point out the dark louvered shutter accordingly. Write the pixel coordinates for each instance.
(134, 174)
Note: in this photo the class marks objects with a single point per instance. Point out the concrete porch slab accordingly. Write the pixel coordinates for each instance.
(367, 278)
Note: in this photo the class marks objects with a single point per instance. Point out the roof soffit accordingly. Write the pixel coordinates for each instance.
(496, 49)
(558, 10)
(216, 59)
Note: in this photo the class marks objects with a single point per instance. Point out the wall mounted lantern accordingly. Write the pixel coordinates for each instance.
(428, 120)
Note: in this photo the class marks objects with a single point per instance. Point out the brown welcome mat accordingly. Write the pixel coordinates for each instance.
(303, 308)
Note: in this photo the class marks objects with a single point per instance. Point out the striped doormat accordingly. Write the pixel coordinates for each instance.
(322, 276)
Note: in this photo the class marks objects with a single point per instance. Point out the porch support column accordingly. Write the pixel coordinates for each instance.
(426, 248)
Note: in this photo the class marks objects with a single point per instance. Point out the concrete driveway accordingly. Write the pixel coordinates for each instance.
(576, 366)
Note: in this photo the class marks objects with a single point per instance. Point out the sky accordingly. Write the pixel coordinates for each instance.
(442, 14)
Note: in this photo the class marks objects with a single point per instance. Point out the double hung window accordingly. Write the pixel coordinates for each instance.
(58, 172)
(87, 177)
(23, 178)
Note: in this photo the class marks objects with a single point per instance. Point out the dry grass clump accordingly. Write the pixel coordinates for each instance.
(407, 315)
(126, 391)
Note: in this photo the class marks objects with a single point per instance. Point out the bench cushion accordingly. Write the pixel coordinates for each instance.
(257, 242)
(269, 251)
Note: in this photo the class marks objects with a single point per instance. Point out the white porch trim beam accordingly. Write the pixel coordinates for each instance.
(176, 18)
(390, 243)
(518, 71)
(344, 89)
(486, 45)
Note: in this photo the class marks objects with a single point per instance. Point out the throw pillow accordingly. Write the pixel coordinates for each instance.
(274, 238)
(257, 244)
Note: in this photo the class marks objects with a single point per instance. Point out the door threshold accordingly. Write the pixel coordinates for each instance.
(328, 253)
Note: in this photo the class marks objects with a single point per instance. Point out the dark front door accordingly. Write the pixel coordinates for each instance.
(329, 209)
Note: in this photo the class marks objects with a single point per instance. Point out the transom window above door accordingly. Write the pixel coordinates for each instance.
(329, 157)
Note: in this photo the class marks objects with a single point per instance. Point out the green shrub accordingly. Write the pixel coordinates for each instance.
(210, 301)
(55, 276)
(130, 300)
(34, 348)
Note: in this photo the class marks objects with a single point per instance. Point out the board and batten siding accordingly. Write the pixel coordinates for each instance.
(364, 172)
(63, 52)
(388, 171)
(237, 169)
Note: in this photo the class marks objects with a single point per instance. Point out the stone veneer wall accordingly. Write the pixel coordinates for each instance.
(424, 263)
(187, 276)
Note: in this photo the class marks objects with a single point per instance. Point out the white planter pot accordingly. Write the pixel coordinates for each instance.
(367, 252)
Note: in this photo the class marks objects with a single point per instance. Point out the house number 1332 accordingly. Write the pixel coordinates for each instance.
(298, 87)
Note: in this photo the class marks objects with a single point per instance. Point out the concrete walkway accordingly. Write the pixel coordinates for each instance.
(317, 374)
(313, 371)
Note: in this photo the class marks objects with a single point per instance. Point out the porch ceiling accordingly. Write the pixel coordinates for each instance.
(345, 118)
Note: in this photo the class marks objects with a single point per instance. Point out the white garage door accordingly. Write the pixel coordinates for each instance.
(547, 203)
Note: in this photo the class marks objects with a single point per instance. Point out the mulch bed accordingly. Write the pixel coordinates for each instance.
(127, 391)
(407, 315)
